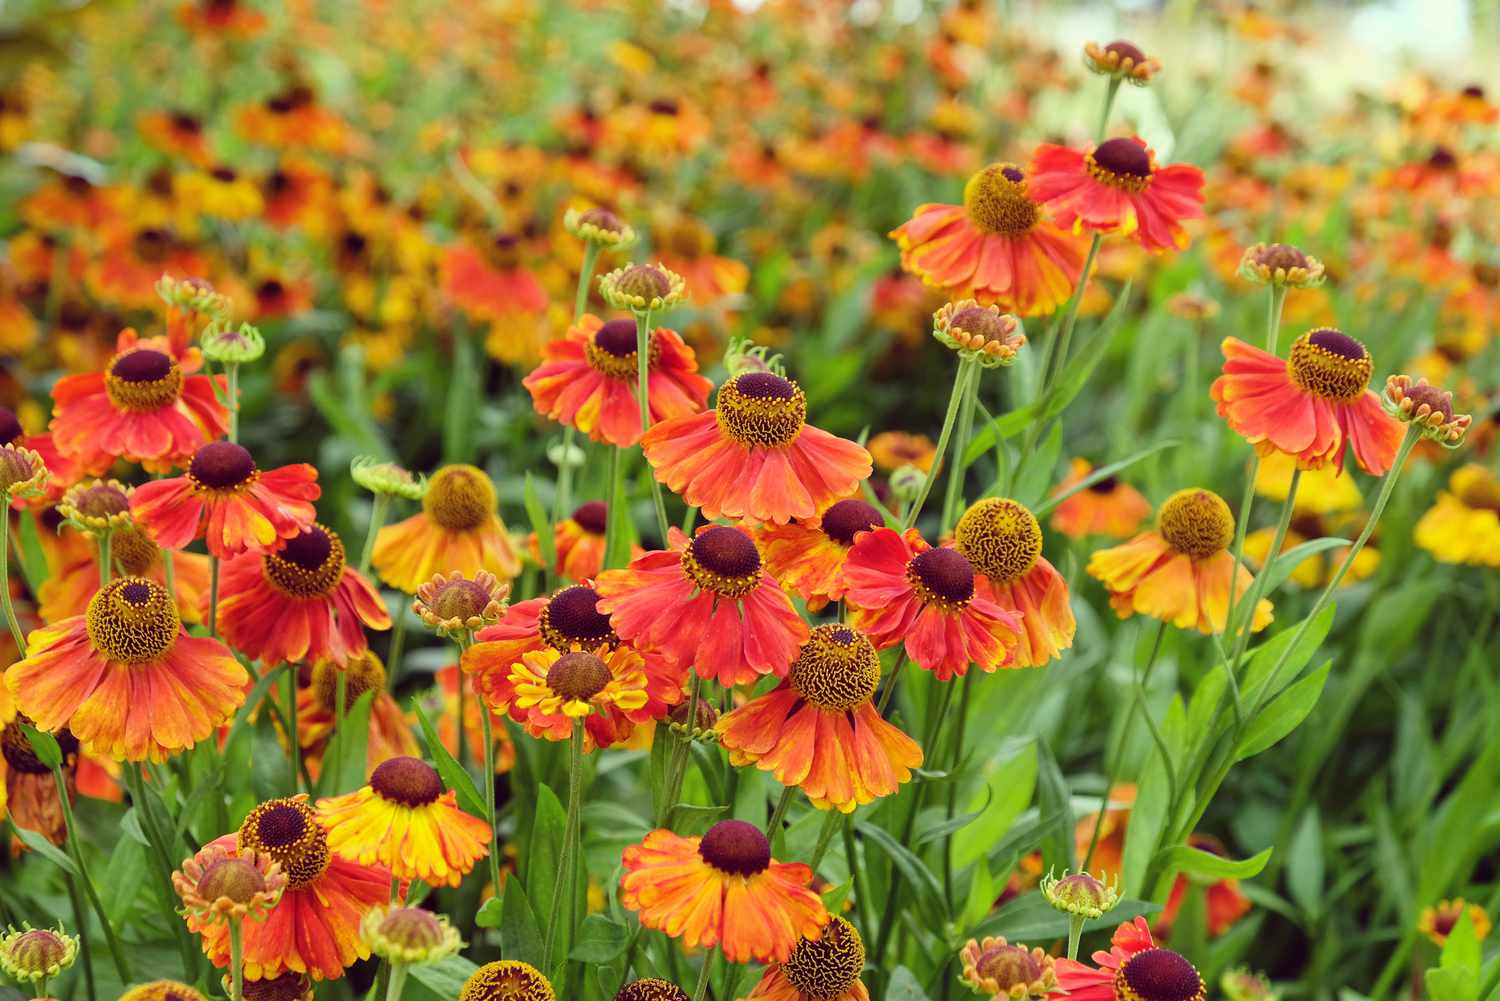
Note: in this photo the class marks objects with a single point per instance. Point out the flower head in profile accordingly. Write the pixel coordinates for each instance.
(999, 247)
(1280, 265)
(1309, 406)
(824, 968)
(409, 935)
(1241, 984)
(819, 729)
(723, 889)
(754, 455)
(1002, 540)
(1121, 60)
(126, 678)
(457, 530)
(1463, 525)
(228, 502)
(386, 478)
(192, 295)
(507, 980)
(979, 333)
(706, 602)
(578, 542)
(453, 604)
(1080, 894)
(36, 954)
(1006, 970)
(1134, 969)
(97, 506)
(807, 556)
(1108, 506)
(1438, 921)
(651, 989)
(23, 474)
(1182, 571)
(1426, 408)
(600, 227)
(642, 288)
(1118, 187)
(901, 590)
(217, 885)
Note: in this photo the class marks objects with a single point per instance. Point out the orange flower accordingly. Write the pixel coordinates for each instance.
(229, 503)
(1309, 406)
(404, 820)
(1225, 903)
(1134, 967)
(893, 449)
(1002, 540)
(606, 688)
(754, 455)
(1180, 572)
(314, 927)
(825, 968)
(1117, 187)
(1109, 507)
(68, 588)
(390, 734)
(301, 603)
(708, 602)
(904, 591)
(588, 380)
(997, 247)
(819, 728)
(144, 408)
(579, 542)
(492, 285)
(807, 556)
(126, 678)
(221, 17)
(176, 133)
(722, 889)
(457, 530)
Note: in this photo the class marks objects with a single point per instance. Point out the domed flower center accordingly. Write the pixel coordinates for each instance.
(603, 219)
(460, 498)
(942, 577)
(837, 669)
(1196, 522)
(1126, 50)
(10, 426)
(309, 565)
(362, 674)
(101, 500)
(222, 465)
(412, 928)
(724, 561)
(735, 847)
(461, 599)
(18, 753)
(1283, 256)
(592, 517)
(286, 830)
(996, 201)
(1158, 975)
(1009, 966)
(1001, 538)
(1330, 364)
(290, 986)
(828, 967)
(613, 350)
(132, 620)
(846, 519)
(983, 324)
(507, 980)
(1437, 400)
(571, 618)
(578, 676)
(16, 467)
(1121, 163)
(37, 950)
(1442, 158)
(646, 281)
(235, 878)
(761, 409)
(651, 989)
(143, 380)
(133, 550)
(405, 780)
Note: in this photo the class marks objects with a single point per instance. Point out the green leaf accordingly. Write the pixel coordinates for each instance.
(444, 978)
(904, 986)
(1461, 951)
(1450, 985)
(544, 849)
(1284, 713)
(1304, 871)
(835, 896)
(1264, 660)
(29, 554)
(44, 746)
(46, 849)
(454, 775)
(1044, 508)
(463, 399)
(1282, 566)
(600, 940)
(1029, 918)
(1195, 862)
(955, 824)
(540, 525)
(344, 761)
(520, 935)
(925, 886)
(1054, 800)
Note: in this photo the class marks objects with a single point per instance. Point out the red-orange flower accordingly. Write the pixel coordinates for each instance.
(819, 730)
(708, 602)
(754, 455)
(1109, 507)
(145, 407)
(314, 927)
(1135, 967)
(588, 380)
(1117, 187)
(229, 503)
(75, 578)
(997, 247)
(902, 590)
(722, 889)
(126, 678)
(1225, 904)
(578, 542)
(1310, 405)
(807, 555)
(494, 285)
(1002, 541)
(300, 603)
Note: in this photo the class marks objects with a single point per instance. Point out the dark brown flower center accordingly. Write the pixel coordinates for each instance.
(10, 426)
(142, 365)
(1123, 156)
(132, 620)
(846, 519)
(405, 780)
(1330, 364)
(1126, 50)
(592, 517)
(222, 465)
(286, 830)
(725, 551)
(572, 618)
(1106, 485)
(1283, 256)
(16, 747)
(736, 847)
(761, 409)
(617, 337)
(1158, 975)
(1435, 398)
(143, 380)
(309, 565)
(578, 676)
(289, 986)
(942, 575)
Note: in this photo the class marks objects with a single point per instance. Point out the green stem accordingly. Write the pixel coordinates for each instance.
(1240, 631)
(585, 275)
(169, 571)
(890, 684)
(10, 611)
(701, 990)
(677, 767)
(160, 845)
(961, 380)
(1070, 318)
(825, 837)
(779, 814)
(957, 468)
(398, 981)
(85, 952)
(233, 375)
(340, 700)
(562, 889)
(1109, 102)
(75, 849)
(398, 641)
(643, 394)
(616, 552)
(104, 558)
(489, 788)
(213, 595)
(378, 509)
(1075, 933)
(236, 961)
(294, 744)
